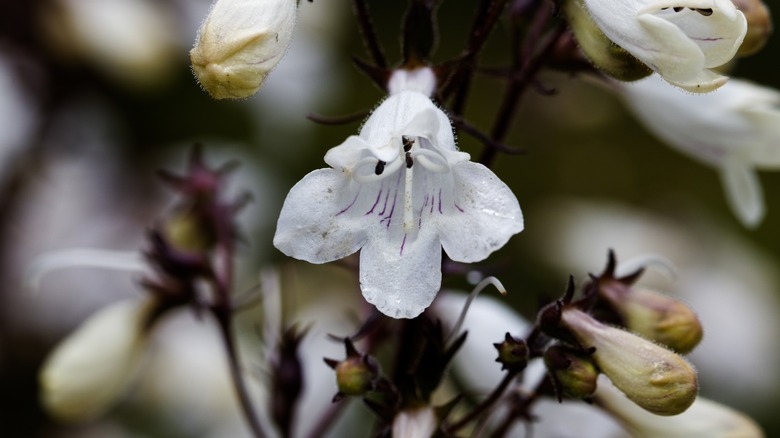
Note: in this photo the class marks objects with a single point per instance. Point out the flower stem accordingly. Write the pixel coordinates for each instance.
(224, 321)
(485, 405)
(369, 34)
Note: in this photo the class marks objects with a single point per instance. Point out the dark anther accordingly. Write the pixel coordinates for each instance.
(409, 160)
(677, 8)
(380, 167)
(407, 142)
(706, 12)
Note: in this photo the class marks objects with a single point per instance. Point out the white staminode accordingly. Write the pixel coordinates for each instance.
(680, 39)
(399, 192)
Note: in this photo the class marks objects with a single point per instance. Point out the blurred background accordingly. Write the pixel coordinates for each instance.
(96, 95)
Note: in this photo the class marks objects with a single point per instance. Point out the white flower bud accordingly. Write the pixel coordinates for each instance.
(239, 43)
(92, 367)
(132, 41)
(653, 377)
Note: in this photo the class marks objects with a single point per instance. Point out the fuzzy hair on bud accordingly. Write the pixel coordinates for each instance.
(656, 379)
(239, 43)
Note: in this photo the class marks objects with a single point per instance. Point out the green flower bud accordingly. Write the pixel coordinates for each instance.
(573, 373)
(607, 56)
(512, 353)
(759, 25)
(356, 374)
(653, 377)
(188, 232)
(655, 316)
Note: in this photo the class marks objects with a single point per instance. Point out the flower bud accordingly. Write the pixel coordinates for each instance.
(132, 41)
(356, 374)
(653, 377)
(512, 353)
(607, 56)
(188, 231)
(655, 316)
(92, 367)
(759, 25)
(704, 418)
(239, 43)
(574, 374)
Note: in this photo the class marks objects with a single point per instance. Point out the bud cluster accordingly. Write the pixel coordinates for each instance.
(617, 329)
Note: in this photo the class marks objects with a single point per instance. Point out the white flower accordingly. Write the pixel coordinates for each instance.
(415, 423)
(704, 419)
(401, 191)
(735, 129)
(680, 39)
(133, 41)
(93, 366)
(239, 43)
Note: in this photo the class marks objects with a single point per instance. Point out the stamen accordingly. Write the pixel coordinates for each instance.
(380, 167)
(407, 142)
(365, 178)
(409, 160)
(477, 289)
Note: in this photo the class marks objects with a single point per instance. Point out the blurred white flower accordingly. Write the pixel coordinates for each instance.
(704, 419)
(735, 129)
(415, 423)
(400, 191)
(681, 40)
(134, 41)
(91, 369)
(239, 43)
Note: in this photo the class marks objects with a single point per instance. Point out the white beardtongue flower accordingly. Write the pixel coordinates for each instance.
(399, 192)
(703, 419)
(679, 39)
(91, 369)
(735, 129)
(239, 43)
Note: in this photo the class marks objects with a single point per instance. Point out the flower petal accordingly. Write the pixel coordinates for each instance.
(743, 192)
(310, 227)
(488, 215)
(345, 155)
(401, 279)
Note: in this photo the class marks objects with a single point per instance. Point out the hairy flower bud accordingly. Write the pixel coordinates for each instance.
(93, 366)
(607, 56)
(512, 353)
(239, 43)
(573, 373)
(653, 377)
(655, 316)
(759, 25)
